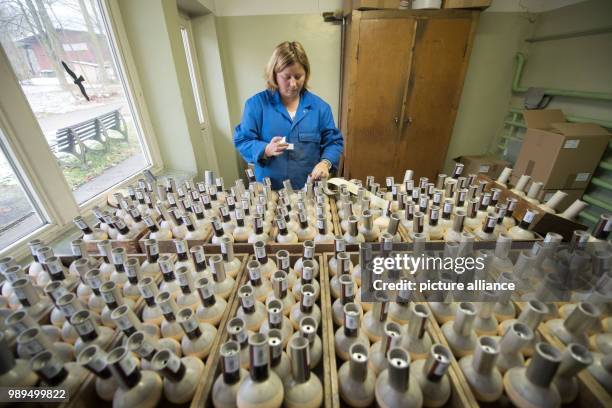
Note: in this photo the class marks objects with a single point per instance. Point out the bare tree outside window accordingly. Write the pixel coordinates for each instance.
(97, 142)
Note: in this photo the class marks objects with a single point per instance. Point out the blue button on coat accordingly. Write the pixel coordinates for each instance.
(312, 131)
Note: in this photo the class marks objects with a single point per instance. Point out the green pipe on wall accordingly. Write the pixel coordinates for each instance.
(520, 65)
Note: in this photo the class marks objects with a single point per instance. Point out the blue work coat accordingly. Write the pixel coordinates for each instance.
(312, 132)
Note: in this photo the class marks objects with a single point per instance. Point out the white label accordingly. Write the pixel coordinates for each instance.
(206, 291)
(145, 291)
(307, 273)
(120, 224)
(94, 282)
(571, 144)
(217, 225)
(182, 278)
(199, 256)
(248, 302)
(340, 246)
(258, 223)
(153, 248)
(239, 214)
(148, 221)
(491, 223)
(81, 224)
(55, 268)
(68, 309)
(302, 217)
(130, 269)
(85, 327)
(308, 299)
(128, 365)
(389, 181)
(254, 274)
(583, 176)
(205, 198)
(34, 347)
(346, 264)
(53, 367)
(448, 207)
(434, 214)
(232, 363)
(118, 257)
(423, 201)
(281, 223)
(109, 297)
(440, 369)
(180, 191)
(190, 325)
(145, 349)
(349, 289)
(260, 252)
(528, 217)
(260, 357)
(496, 194)
(181, 247)
(224, 211)
(608, 225)
(486, 199)
(171, 199)
(308, 252)
(97, 363)
(283, 285)
(259, 208)
(484, 168)
(275, 316)
(166, 308)
(284, 263)
(320, 224)
(394, 189)
(351, 321)
(230, 200)
(388, 245)
(124, 322)
(173, 363)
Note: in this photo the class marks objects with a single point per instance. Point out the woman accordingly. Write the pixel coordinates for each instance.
(286, 131)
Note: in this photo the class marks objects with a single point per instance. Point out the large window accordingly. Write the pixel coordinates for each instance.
(64, 58)
(20, 212)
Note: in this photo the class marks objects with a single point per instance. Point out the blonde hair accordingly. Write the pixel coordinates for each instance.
(286, 54)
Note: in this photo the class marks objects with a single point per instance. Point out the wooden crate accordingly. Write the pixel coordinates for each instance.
(86, 395)
(131, 247)
(461, 395)
(203, 397)
(591, 392)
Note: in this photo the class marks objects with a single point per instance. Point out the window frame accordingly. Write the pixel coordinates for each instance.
(30, 151)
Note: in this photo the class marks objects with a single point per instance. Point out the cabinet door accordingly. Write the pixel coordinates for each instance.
(382, 71)
(441, 51)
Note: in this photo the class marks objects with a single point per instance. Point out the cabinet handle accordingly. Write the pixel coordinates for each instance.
(408, 120)
(396, 120)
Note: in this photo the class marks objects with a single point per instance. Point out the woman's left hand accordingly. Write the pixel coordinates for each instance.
(320, 171)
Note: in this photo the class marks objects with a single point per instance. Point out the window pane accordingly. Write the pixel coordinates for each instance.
(192, 75)
(97, 142)
(18, 215)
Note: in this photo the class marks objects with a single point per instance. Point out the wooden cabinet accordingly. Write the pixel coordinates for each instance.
(403, 73)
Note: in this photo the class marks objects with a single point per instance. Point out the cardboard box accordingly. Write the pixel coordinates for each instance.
(572, 195)
(489, 166)
(350, 5)
(451, 4)
(562, 155)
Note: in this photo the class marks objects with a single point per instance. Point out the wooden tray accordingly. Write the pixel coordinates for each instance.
(461, 395)
(203, 397)
(86, 395)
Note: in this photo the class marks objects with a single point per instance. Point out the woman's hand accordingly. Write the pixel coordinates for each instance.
(321, 170)
(276, 147)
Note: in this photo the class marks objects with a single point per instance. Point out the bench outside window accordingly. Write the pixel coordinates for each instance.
(71, 139)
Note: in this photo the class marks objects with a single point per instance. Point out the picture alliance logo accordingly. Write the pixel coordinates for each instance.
(413, 264)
